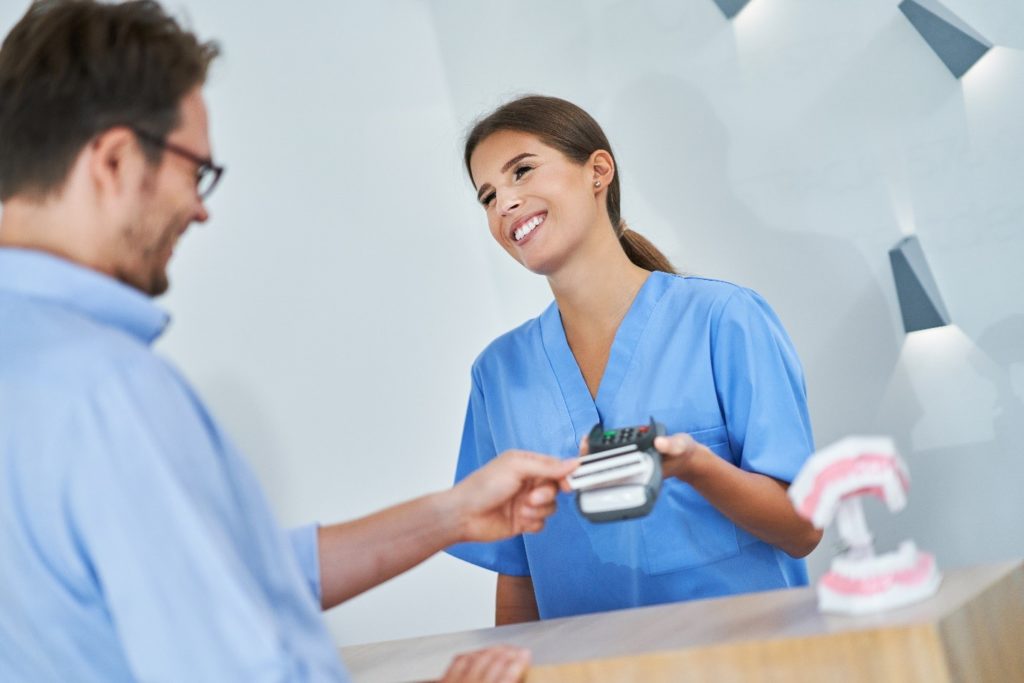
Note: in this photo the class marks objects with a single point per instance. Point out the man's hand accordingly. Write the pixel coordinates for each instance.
(499, 664)
(512, 494)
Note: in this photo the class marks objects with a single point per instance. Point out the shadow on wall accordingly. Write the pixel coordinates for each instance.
(965, 444)
(821, 286)
(492, 57)
(1003, 343)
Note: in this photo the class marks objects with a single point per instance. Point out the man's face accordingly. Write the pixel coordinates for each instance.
(168, 204)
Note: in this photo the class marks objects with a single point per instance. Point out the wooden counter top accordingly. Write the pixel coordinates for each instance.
(973, 629)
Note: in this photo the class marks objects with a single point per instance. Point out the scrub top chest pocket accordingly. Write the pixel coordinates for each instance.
(684, 530)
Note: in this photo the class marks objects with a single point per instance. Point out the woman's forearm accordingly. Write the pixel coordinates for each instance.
(755, 502)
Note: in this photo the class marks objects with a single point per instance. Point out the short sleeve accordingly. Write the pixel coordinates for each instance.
(305, 543)
(476, 450)
(761, 389)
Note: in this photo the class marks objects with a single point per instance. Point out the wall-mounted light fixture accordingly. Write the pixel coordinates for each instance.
(920, 302)
(730, 8)
(958, 45)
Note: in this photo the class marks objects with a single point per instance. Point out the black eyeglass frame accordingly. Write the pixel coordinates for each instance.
(204, 165)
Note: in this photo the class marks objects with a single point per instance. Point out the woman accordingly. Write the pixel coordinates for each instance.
(627, 339)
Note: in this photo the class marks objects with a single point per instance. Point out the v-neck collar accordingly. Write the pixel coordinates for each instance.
(585, 411)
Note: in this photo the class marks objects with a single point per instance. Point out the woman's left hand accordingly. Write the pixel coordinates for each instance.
(681, 455)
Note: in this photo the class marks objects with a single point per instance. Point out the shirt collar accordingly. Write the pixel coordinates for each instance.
(39, 275)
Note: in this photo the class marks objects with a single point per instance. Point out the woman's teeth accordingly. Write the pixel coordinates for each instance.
(527, 227)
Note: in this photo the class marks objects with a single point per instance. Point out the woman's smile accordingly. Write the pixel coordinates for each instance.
(525, 227)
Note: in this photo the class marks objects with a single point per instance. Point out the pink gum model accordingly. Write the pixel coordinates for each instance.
(830, 486)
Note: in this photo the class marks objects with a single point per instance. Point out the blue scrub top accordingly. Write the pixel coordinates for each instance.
(701, 356)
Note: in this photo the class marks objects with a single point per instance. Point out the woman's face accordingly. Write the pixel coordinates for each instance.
(540, 205)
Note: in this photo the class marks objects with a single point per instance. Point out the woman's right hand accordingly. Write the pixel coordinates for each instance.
(498, 664)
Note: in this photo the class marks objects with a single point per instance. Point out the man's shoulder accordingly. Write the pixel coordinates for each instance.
(60, 350)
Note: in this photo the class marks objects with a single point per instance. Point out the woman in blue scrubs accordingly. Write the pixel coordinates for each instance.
(624, 340)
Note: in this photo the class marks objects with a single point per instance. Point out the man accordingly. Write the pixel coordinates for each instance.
(136, 543)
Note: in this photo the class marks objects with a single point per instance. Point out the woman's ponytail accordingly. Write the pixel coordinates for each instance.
(641, 251)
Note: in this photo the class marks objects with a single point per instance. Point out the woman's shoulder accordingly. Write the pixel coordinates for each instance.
(706, 289)
(517, 343)
(716, 299)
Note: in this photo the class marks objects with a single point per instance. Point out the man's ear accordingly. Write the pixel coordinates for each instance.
(116, 164)
(602, 167)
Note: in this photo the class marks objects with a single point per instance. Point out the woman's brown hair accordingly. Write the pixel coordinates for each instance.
(573, 132)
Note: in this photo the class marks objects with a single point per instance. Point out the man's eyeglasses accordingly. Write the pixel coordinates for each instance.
(207, 173)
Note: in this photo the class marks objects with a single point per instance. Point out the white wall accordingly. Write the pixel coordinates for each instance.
(331, 309)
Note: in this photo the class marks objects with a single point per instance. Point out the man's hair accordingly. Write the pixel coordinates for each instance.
(72, 69)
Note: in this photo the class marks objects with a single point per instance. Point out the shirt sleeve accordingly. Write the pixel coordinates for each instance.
(761, 389)
(171, 537)
(306, 544)
(477, 449)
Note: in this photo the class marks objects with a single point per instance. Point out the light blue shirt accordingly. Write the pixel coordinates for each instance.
(701, 356)
(135, 543)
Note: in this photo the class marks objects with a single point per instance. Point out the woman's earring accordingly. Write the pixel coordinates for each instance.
(597, 183)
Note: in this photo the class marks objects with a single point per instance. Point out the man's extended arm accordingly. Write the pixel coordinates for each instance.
(511, 495)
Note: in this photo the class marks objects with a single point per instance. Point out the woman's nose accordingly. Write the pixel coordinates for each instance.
(509, 204)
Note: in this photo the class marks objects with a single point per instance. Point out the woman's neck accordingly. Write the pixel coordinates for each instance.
(594, 290)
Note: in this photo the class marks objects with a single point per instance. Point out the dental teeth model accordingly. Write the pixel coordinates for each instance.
(830, 486)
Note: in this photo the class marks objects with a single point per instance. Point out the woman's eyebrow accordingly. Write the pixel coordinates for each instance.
(508, 164)
(515, 159)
